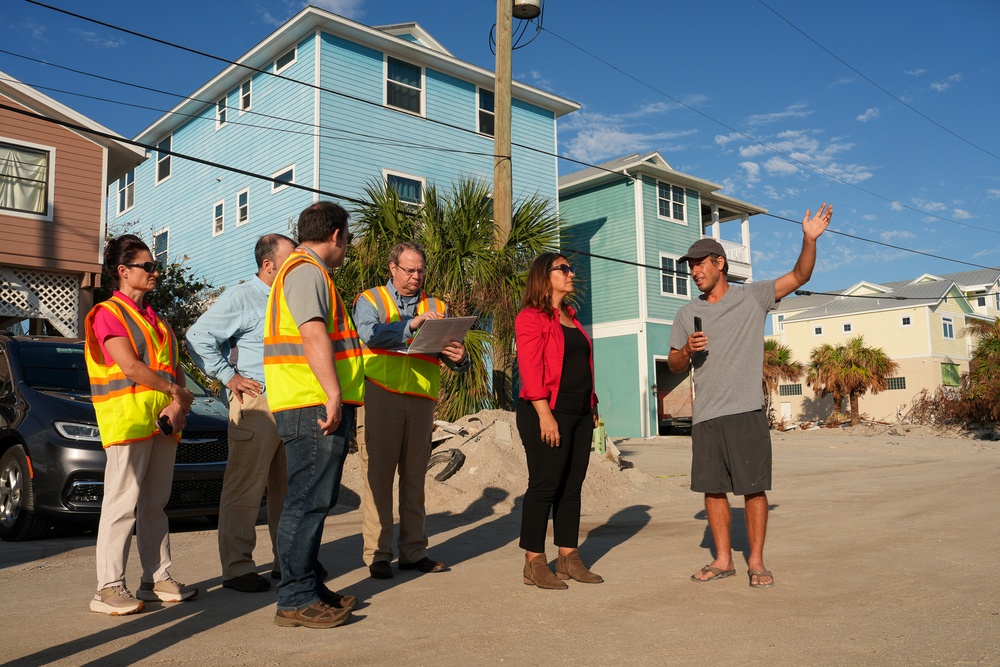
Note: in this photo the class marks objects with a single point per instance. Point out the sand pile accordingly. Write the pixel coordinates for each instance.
(495, 476)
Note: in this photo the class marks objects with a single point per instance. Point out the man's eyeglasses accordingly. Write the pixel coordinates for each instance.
(565, 268)
(410, 272)
(148, 267)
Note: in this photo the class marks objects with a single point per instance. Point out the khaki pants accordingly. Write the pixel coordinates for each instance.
(137, 481)
(256, 462)
(397, 436)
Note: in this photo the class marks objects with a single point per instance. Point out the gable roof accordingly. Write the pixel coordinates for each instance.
(404, 40)
(899, 295)
(121, 156)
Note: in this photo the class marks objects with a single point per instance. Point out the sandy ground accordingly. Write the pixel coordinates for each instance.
(881, 541)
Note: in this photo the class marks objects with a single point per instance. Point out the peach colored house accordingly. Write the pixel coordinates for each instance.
(53, 182)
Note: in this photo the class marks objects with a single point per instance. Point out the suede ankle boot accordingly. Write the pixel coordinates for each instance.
(537, 573)
(571, 567)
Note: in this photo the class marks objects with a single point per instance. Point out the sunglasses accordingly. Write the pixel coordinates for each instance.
(148, 267)
(565, 268)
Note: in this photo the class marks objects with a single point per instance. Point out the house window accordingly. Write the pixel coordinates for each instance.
(161, 241)
(220, 113)
(817, 331)
(673, 276)
(24, 179)
(486, 116)
(847, 326)
(670, 201)
(896, 383)
(781, 322)
(243, 207)
(789, 390)
(218, 217)
(284, 60)
(996, 298)
(981, 302)
(283, 178)
(950, 376)
(409, 189)
(403, 85)
(905, 321)
(126, 192)
(245, 96)
(163, 159)
(947, 327)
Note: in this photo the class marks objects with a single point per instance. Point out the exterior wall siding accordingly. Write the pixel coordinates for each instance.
(668, 237)
(71, 240)
(617, 392)
(602, 221)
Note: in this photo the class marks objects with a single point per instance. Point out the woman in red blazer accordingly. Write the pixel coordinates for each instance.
(555, 418)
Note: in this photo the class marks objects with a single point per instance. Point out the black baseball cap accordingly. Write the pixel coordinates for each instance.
(703, 248)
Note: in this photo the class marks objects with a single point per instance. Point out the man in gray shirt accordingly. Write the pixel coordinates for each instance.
(731, 444)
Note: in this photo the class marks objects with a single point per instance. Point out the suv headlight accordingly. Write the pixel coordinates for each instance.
(78, 431)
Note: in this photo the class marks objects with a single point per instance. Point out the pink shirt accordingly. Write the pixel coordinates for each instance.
(107, 325)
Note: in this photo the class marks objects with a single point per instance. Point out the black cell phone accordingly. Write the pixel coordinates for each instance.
(164, 425)
(697, 324)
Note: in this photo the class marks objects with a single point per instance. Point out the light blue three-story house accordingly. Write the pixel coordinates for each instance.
(639, 216)
(334, 106)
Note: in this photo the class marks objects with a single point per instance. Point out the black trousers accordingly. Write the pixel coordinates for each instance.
(555, 477)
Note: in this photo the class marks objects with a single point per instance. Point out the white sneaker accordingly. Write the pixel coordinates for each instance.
(167, 590)
(115, 601)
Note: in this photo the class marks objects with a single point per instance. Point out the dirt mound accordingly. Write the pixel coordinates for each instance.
(494, 476)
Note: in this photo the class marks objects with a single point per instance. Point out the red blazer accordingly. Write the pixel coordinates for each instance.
(540, 350)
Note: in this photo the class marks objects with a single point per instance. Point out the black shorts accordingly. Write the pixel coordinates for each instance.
(731, 454)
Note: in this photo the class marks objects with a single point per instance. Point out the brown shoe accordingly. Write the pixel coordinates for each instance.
(537, 573)
(336, 600)
(571, 567)
(317, 615)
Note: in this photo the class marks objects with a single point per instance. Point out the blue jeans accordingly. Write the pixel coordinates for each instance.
(315, 464)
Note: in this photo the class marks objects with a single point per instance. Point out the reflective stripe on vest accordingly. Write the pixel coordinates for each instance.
(127, 411)
(414, 374)
(290, 382)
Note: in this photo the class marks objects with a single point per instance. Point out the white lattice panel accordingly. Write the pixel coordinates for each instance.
(44, 294)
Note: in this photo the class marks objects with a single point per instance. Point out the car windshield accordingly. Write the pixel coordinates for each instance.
(62, 367)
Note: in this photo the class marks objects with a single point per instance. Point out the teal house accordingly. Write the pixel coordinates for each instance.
(333, 105)
(626, 223)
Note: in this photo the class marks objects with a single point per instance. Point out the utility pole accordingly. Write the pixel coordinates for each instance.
(503, 188)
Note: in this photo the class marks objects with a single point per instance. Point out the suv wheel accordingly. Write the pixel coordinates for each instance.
(18, 520)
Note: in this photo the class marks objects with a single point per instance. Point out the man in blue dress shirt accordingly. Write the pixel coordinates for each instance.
(227, 343)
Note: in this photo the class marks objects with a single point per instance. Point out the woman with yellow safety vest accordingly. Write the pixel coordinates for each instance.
(141, 402)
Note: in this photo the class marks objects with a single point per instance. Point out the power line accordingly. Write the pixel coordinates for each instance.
(880, 87)
(762, 143)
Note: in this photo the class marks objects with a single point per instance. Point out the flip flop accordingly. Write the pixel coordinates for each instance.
(716, 573)
(759, 574)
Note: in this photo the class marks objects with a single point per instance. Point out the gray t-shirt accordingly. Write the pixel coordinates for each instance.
(306, 292)
(728, 374)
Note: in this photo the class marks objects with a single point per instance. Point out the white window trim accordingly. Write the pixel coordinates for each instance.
(224, 101)
(121, 212)
(903, 323)
(656, 192)
(673, 295)
(51, 189)
(817, 334)
(239, 93)
(166, 251)
(238, 194)
(386, 173)
(222, 227)
(479, 110)
(948, 321)
(278, 188)
(844, 329)
(295, 57)
(156, 160)
(385, 86)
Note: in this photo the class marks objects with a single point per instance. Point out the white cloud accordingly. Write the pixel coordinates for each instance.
(896, 206)
(841, 82)
(100, 41)
(929, 205)
(914, 72)
(780, 166)
(791, 111)
(752, 170)
(892, 234)
(279, 11)
(33, 29)
(993, 193)
(946, 83)
(871, 114)
(723, 139)
(869, 216)
(597, 137)
(961, 214)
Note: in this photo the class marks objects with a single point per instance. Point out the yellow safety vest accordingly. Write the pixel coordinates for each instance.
(127, 411)
(290, 382)
(398, 372)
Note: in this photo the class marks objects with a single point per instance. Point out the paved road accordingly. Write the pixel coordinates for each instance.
(882, 546)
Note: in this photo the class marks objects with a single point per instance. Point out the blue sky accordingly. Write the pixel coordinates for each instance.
(856, 103)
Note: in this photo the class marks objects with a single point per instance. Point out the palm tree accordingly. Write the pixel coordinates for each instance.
(456, 229)
(778, 365)
(984, 367)
(821, 374)
(863, 369)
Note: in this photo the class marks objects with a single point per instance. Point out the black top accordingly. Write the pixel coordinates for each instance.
(576, 384)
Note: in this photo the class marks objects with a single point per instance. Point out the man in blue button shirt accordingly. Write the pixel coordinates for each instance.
(227, 343)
